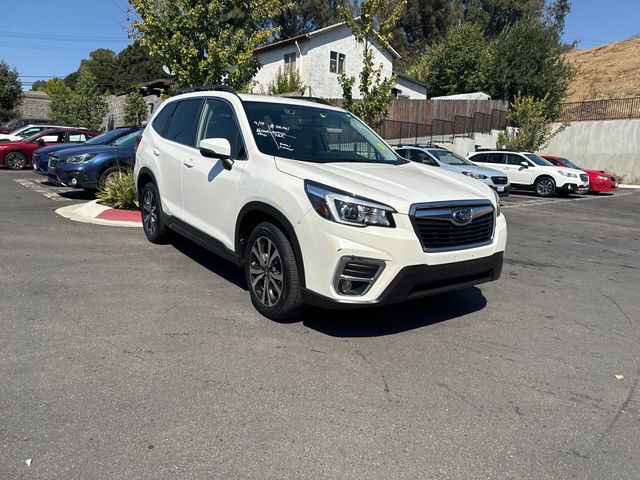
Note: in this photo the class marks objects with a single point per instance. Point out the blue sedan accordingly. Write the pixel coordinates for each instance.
(91, 166)
(41, 156)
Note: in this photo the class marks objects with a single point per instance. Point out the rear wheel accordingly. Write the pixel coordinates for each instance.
(151, 209)
(272, 273)
(545, 187)
(15, 161)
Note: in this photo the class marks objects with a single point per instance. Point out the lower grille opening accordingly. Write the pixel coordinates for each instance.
(422, 287)
(360, 270)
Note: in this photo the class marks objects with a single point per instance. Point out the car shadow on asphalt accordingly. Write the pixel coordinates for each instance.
(393, 319)
(212, 262)
(78, 195)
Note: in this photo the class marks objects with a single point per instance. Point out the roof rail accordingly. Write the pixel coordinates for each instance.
(208, 87)
(309, 99)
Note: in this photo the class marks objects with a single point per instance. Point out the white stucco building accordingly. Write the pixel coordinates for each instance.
(321, 56)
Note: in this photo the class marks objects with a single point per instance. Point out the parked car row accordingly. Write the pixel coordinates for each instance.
(18, 154)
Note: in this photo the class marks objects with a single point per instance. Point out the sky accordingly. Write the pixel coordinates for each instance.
(43, 38)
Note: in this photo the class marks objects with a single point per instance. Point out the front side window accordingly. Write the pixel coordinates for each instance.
(336, 62)
(218, 120)
(289, 59)
(77, 137)
(315, 134)
(513, 159)
(128, 140)
(538, 160)
(184, 121)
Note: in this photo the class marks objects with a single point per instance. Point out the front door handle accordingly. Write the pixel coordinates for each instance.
(188, 163)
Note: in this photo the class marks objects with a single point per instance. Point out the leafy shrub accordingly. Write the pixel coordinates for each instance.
(286, 81)
(120, 192)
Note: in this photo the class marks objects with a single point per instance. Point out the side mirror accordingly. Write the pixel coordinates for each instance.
(217, 148)
(41, 142)
(524, 164)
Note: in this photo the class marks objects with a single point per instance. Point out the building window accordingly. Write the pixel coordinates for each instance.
(336, 62)
(289, 59)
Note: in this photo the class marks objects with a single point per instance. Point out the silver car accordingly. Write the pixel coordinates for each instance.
(443, 158)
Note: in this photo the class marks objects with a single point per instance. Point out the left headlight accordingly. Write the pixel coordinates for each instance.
(342, 207)
(567, 174)
(85, 157)
(498, 210)
(477, 176)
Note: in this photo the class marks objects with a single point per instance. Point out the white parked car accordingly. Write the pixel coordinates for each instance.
(531, 172)
(25, 132)
(443, 158)
(312, 203)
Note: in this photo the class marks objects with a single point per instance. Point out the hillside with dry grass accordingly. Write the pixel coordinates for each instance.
(608, 71)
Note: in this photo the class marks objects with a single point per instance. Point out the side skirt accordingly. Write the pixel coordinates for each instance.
(206, 241)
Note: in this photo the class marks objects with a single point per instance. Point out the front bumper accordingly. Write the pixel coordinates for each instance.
(71, 175)
(603, 186)
(573, 188)
(408, 271)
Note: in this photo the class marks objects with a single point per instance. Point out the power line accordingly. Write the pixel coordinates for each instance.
(61, 38)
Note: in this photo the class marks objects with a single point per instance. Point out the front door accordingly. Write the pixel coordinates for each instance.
(209, 191)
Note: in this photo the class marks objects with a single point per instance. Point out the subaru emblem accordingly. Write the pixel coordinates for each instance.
(462, 216)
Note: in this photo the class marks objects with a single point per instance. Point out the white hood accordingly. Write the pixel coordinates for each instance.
(398, 186)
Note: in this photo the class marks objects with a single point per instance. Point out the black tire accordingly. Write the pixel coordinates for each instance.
(107, 175)
(273, 280)
(15, 161)
(545, 187)
(152, 218)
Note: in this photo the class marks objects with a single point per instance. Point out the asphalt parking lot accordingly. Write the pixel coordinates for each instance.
(123, 359)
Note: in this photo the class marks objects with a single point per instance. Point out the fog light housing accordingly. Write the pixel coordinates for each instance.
(355, 276)
(73, 182)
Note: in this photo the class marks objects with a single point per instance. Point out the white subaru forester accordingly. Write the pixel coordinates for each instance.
(314, 205)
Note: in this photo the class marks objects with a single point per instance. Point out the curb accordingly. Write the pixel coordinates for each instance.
(93, 212)
(632, 187)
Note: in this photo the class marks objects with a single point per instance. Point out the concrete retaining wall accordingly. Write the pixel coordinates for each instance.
(612, 145)
(35, 105)
(115, 113)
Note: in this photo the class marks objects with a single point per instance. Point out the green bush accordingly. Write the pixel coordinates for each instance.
(120, 192)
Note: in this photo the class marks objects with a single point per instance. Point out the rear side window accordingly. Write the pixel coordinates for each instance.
(481, 157)
(514, 159)
(77, 137)
(495, 158)
(184, 122)
(162, 119)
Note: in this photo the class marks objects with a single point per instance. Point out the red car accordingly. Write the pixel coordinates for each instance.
(17, 155)
(599, 180)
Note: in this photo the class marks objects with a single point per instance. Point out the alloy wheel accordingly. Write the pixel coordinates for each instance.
(545, 187)
(265, 271)
(15, 161)
(149, 212)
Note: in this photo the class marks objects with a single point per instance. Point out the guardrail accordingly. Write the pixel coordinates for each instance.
(615, 109)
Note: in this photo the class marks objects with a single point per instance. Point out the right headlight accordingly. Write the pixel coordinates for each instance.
(81, 158)
(342, 207)
(498, 211)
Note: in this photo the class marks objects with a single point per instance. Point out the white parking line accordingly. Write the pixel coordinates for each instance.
(51, 192)
(528, 203)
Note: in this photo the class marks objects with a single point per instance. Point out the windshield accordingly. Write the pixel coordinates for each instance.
(315, 134)
(6, 124)
(538, 160)
(127, 140)
(449, 158)
(570, 164)
(106, 137)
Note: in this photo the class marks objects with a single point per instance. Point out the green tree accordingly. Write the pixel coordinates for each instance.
(556, 14)
(135, 109)
(103, 64)
(533, 128)
(82, 106)
(39, 86)
(206, 41)
(137, 67)
(286, 81)
(496, 15)
(527, 58)
(457, 64)
(305, 16)
(10, 92)
(364, 19)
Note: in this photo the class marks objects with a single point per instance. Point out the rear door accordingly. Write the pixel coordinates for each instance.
(208, 189)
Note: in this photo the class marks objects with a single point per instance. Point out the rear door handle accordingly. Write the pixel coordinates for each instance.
(156, 152)
(188, 163)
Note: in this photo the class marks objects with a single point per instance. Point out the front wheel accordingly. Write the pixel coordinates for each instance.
(272, 273)
(109, 174)
(545, 187)
(15, 161)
